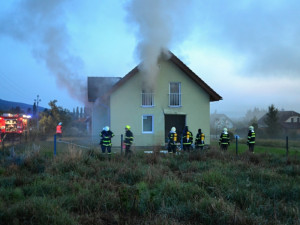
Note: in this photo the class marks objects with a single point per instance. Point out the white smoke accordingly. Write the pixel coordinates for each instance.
(41, 25)
(158, 24)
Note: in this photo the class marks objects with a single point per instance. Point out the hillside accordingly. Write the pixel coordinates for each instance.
(7, 105)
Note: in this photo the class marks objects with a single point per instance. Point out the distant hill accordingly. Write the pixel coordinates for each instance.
(7, 105)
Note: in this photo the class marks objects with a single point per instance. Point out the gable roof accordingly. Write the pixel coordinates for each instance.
(282, 118)
(214, 96)
(99, 86)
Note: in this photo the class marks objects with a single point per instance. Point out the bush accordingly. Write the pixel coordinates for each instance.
(36, 211)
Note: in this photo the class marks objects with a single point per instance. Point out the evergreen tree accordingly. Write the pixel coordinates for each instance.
(77, 112)
(272, 121)
(254, 123)
(81, 112)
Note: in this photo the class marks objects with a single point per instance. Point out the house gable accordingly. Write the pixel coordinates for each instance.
(126, 104)
(287, 119)
(186, 70)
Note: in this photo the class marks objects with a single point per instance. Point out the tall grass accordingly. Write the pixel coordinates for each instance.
(212, 187)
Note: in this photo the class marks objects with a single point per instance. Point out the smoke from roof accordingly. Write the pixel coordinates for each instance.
(40, 24)
(158, 23)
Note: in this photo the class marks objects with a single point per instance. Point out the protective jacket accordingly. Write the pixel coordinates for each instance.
(251, 137)
(224, 139)
(128, 137)
(172, 138)
(58, 129)
(106, 137)
(199, 141)
(187, 138)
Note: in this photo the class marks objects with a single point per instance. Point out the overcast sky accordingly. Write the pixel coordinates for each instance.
(247, 51)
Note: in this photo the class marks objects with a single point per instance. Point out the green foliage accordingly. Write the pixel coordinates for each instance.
(50, 118)
(212, 187)
(254, 123)
(272, 121)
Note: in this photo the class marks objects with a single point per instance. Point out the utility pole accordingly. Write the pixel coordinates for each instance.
(37, 100)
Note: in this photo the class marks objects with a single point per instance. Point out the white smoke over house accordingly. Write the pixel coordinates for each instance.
(41, 25)
(157, 27)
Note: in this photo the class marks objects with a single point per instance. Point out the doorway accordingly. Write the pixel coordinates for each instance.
(177, 121)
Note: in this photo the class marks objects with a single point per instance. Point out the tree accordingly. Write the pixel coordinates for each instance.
(254, 123)
(50, 118)
(272, 121)
(77, 112)
(81, 112)
(256, 112)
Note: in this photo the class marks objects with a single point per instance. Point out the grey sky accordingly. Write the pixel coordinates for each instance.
(247, 51)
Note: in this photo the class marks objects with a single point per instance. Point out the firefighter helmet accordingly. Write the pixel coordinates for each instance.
(128, 127)
(173, 129)
(251, 128)
(225, 130)
(106, 128)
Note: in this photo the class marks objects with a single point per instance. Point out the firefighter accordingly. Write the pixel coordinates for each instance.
(105, 142)
(251, 139)
(128, 140)
(172, 140)
(59, 130)
(199, 141)
(224, 140)
(187, 139)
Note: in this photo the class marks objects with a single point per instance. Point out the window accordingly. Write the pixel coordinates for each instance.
(292, 120)
(147, 99)
(175, 94)
(298, 120)
(147, 123)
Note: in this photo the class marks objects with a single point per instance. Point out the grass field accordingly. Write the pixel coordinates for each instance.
(82, 186)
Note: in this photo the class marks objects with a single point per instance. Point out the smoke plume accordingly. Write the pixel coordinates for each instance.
(157, 25)
(40, 24)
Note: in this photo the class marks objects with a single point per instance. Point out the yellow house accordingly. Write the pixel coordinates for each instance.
(176, 98)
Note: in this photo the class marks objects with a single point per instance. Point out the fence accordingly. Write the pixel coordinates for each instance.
(56, 146)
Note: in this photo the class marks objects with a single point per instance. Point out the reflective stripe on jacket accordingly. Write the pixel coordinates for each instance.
(199, 141)
(106, 137)
(187, 138)
(128, 137)
(251, 137)
(224, 139)
(172, 138)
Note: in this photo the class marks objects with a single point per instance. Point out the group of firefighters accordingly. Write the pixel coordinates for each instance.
(224, 140)
(186, 139)
(106, 135)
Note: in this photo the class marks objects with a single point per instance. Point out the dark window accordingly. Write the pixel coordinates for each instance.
(175, 94)
(147, 98)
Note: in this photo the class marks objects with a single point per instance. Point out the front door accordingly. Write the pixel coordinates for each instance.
(177, 121)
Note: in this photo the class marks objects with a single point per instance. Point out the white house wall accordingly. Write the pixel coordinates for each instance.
(126, 109)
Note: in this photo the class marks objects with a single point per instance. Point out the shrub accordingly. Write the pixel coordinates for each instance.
(36, 211)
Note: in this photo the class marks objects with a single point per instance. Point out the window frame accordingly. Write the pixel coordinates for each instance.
(179, 95)
(152, 124)
(152, 99)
